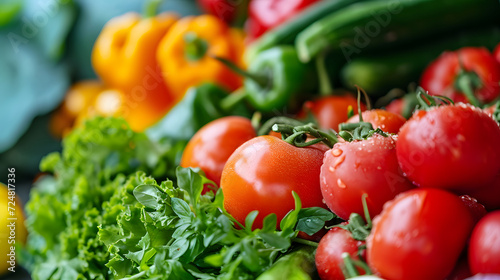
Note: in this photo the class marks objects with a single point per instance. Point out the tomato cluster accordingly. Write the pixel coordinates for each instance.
(431, 184)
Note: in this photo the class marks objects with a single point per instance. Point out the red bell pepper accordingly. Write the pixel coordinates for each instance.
(226, 10)
(264, 15)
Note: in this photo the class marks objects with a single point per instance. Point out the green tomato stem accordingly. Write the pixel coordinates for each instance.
(466, 82)
(305, 242)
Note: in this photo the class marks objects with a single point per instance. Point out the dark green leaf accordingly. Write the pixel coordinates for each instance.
(311, 220)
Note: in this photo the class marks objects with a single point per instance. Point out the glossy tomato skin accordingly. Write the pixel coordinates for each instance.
(328, 256)
(212, 145)
(352, 169)
(484, 246)
(419, 235)
(332, 110)
(439, 77)
(453, 147)
(387, 121)
(262, 173)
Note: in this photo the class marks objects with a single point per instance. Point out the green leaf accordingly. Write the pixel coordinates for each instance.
(276, 241)
(288, 223)
(181, 208)
(191, 182)
(296, 265)
(250, 218)
(149, 196)
(269, 223)
(250, 257)
(178, 248)
(312, 220)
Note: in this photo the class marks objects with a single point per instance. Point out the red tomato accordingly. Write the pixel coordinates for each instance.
(262, 173)
(212, 145)
(387, 121)
(419, 235)
(452, 147)
(328, 258)
(491, 109)
(352, 169)
(332, 110)
(484, 246)
(439, 78)
(461, 270)
(475, 208)
(404, 105)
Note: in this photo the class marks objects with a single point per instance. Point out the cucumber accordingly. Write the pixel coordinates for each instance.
(377, 74)
(364, 26)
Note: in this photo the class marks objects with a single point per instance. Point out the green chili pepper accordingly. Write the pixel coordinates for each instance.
(199, 106)
(272, 81)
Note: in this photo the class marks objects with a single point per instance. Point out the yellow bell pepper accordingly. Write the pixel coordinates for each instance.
(186, 53)
(124, 57)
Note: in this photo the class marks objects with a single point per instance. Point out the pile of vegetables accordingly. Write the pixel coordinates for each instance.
(211, 150)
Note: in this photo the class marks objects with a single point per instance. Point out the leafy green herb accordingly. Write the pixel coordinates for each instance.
(101, 216)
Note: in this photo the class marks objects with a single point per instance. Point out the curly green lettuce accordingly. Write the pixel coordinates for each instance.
(115, 205)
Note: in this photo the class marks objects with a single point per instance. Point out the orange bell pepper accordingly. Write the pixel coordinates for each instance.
(186, 53)
(124, 57)
(77, 100)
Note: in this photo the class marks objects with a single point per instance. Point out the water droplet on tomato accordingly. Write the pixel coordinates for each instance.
(337, 152)
(341, 184)
(460, 137)
(338, 161)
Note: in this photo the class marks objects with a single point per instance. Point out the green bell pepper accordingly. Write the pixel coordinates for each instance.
(272, 80)
(283, 76)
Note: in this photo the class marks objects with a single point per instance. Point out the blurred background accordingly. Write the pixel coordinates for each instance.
(45, 47)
